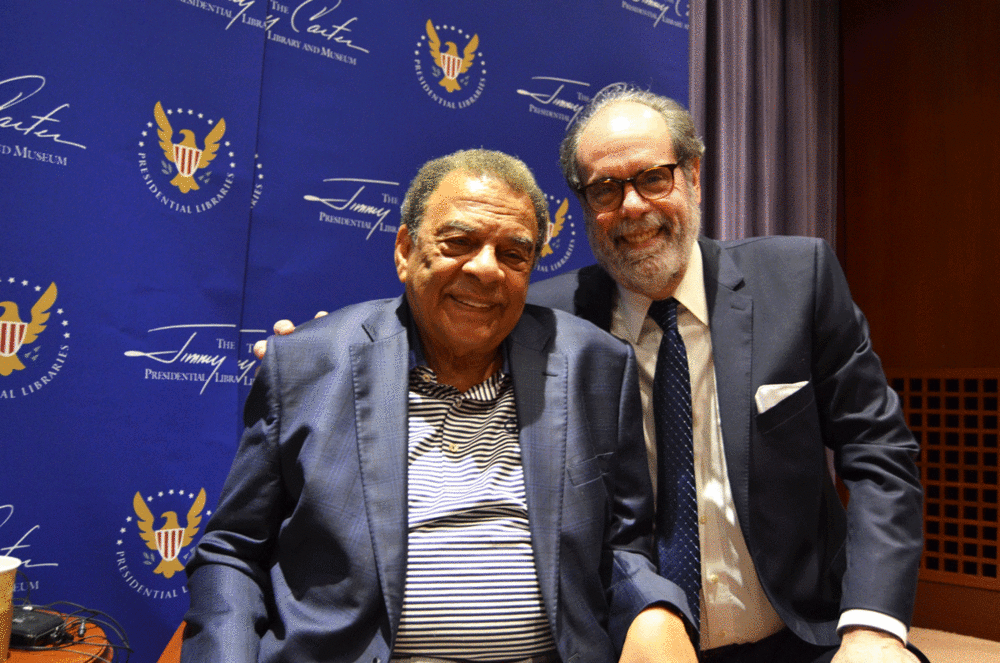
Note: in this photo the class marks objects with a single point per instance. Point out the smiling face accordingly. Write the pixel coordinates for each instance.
(645, 244)
(467, 270)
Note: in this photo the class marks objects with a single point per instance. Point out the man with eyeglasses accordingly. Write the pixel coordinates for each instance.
(780, 369)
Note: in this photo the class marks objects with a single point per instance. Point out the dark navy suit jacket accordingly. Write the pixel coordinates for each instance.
(305, 557)
(780, 312)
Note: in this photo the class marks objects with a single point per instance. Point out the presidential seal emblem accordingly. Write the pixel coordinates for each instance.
(181, 168)
(258, 177)
(171, 538)
(186, 155)
(153, 549)
(450, 68)
(34, 337)
(561, 241)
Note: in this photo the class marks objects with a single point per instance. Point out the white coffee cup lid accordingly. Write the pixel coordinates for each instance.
(9, 564)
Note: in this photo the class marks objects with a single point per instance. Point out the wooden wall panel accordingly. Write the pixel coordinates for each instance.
(921, 186)
(920, 242)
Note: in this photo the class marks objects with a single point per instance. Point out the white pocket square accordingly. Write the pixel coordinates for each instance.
(769, 395)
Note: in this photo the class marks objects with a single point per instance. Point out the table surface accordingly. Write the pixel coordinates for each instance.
(93, 646)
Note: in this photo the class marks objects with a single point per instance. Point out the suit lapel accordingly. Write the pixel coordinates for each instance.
(730, 313)
(380, 371)
(595, 296)
(540, 394)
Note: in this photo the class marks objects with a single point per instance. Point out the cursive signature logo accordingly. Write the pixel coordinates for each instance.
(568, 110)
(354, 204)
(243, 5)
(20, 89)
(663, 11)
(6, 512)
(305, 18)
(309, 21)
(192, 366)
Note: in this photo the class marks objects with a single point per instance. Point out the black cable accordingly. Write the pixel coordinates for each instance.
(27, 583)
(75, 617)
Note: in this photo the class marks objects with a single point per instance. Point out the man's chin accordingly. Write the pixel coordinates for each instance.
(649, 275)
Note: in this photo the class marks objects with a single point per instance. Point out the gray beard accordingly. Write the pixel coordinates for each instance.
(650, 274)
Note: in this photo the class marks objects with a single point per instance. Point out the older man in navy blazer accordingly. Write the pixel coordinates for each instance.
(781, 370)
(448, 474)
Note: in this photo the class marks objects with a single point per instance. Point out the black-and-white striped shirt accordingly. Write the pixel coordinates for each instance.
(472, 591)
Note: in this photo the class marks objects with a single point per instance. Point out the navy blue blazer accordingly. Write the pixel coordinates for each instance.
(780, 312)
(305, 557)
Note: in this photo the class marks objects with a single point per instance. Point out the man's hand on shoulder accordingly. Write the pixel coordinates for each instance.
(866, 645)
(658, 635)
(281, 328)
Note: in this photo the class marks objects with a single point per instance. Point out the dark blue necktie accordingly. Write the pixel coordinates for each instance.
(677, 499)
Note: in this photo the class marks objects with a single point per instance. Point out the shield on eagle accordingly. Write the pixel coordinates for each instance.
(11, 337)
(452, 65)
(169, 542)
(186, 159)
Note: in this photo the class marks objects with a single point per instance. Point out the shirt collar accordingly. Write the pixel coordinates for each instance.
(690, 294)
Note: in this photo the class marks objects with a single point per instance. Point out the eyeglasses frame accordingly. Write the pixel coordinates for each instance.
(582, 190)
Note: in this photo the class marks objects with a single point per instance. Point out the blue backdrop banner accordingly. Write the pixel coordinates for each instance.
(179, 174)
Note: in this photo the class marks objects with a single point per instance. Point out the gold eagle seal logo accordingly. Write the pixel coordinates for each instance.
(186, 156)
(170, 539)
(555, 227)
(15, 333)
(452, 65)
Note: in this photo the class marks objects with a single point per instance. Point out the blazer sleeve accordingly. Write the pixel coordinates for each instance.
(635, 584)
(874, 451)
(228, 575)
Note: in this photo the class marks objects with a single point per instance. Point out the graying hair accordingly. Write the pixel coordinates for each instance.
(479, 163)
(686, 144)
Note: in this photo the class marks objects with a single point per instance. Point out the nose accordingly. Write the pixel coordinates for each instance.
(484, 264)
(632, 203)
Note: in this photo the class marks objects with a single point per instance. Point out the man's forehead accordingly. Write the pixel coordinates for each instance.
(625, 121)
(460, 187)
(622, 139)
(467, 202)
(620, 113)
(617, 112)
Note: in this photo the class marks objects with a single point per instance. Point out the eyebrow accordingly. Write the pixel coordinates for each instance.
(524, 243)
(458, 226)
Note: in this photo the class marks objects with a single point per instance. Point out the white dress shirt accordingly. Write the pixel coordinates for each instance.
(734, 607)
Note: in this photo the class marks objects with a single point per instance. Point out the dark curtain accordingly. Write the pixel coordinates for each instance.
(764, 95)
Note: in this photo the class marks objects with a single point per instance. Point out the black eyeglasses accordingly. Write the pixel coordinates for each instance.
(652, 184)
